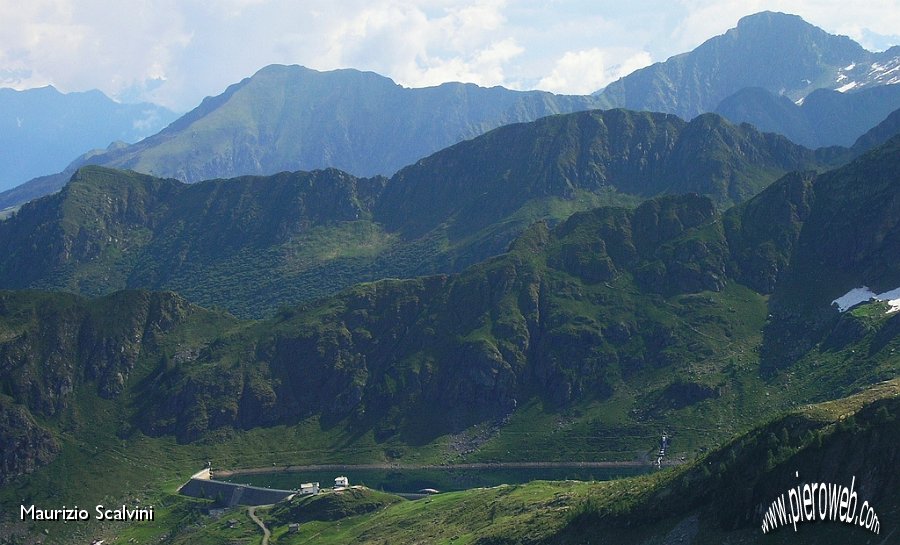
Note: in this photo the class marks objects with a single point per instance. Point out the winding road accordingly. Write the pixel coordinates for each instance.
(251, 511)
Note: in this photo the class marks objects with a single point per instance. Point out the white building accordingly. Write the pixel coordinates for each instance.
(309, 488)
(341, 482)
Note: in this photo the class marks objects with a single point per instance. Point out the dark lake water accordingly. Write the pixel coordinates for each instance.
(445, 480)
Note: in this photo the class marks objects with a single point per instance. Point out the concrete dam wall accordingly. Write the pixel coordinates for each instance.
(231, 494)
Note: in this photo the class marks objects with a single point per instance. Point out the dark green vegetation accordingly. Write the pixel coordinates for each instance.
(42, 130)
(611, 301)
(775, 51)
(597, 311)
(642, 311)
(826, 117)
(634, 153)
(716, 499)
(722, 495)
(574, 314)
(252, 244)
(248, 243)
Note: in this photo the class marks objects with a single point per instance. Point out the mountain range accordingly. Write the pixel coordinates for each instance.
(250, 244)
(592, 307)
(558, 290)
(42, 130)
(287, 118)
(582, 340)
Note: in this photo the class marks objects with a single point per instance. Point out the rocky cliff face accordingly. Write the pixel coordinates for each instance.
(65, 343)
(52, 345)
(24, 445)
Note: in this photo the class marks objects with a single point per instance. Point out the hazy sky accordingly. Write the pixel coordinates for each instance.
(175, 52)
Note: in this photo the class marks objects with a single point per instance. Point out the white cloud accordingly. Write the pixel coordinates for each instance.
(89, 44)
(176, 51)
(483, 67)
(583, 72)
(417, 48)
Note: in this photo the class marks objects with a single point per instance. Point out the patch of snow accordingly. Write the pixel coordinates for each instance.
(847, 87)
(853, 298)
(841, 77)
(864, 294)
(889, 295)
(850, 66)
(876, 67)
(799, 101)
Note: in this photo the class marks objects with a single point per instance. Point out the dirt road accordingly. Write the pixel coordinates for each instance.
(251, 511)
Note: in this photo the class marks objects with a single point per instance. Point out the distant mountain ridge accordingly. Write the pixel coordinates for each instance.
(43, 130)
(778, 52)
(286, 118)
(857, 210)
(824, 118)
